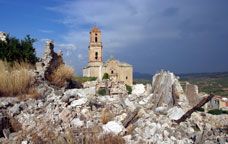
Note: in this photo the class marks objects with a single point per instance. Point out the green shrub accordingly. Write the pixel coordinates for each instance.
(84, 79)
(129, 89)
(105, 76)
(18, 50)
(217, 112)
(102, 91)
(200, 109)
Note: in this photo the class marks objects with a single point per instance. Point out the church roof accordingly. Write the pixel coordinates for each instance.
(123, 64)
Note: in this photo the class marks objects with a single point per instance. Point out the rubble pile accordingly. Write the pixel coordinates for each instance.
(112, 87)
(145, 116)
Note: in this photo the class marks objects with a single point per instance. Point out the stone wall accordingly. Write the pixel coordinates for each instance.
(192, 94)
(119, 72)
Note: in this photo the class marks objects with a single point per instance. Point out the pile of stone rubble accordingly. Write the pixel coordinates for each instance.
(145, 116)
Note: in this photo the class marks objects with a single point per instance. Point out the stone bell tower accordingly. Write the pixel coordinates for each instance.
(95, 47)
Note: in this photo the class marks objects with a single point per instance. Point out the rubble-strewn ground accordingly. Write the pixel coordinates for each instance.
(80, 116)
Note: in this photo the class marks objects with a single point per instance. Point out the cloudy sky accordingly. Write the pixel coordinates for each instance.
(179, 35)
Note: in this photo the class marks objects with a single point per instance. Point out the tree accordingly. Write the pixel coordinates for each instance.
(14, 49)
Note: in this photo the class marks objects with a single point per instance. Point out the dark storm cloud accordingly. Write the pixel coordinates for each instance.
(181, 36)
(172, 11)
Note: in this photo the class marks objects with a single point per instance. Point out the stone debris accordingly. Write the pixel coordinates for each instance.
(113, 127)
(138, 89)
(78, 102)
(77, 122)
(112, 87)
(146, 116)
(175, 113)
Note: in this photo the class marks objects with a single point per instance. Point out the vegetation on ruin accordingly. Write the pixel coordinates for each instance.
(14, 49)
(102, 91)
(217, 112)
(129, 89)
(61, 75)
(84, 79)
(105, 76)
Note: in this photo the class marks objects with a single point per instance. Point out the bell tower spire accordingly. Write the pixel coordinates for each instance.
(95, 46)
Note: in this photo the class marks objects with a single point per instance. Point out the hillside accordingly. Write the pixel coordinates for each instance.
(216, 83)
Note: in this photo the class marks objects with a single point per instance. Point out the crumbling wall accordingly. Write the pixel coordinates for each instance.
(167, 90)
(113, 87)
(2, 36)
(192, 94)
(50, 61)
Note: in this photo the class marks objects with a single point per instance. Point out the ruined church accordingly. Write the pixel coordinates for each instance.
(118, 71)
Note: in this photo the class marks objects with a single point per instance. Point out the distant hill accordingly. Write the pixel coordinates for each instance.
(203, 75)
(138, 75)
(216, 83)
(146, 76)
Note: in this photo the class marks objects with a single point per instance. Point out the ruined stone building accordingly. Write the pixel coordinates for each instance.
(118, 71)
(3, 36)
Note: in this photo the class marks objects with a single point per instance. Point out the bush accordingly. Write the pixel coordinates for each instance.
(15, 79)
(105, 76)
(217, 112)
(84, 79)
(200, 109)
(18, 50)
(62, 74)
(102, 91)
(129, 89)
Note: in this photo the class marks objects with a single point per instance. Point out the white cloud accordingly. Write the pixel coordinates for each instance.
(67, 46)
(46, 31)
(80, 57)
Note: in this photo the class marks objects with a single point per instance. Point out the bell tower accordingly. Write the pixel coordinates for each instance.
(95, 47)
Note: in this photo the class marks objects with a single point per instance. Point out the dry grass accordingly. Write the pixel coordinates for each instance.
(92, 136)
(61, 75)
(31, 93)
(15, 79)
(106, 116)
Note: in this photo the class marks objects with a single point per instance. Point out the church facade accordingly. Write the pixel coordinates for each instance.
(118, 71)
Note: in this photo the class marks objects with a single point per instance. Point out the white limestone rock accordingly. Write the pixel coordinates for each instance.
(138, 89)
(15, 110)
(175, 113)
(80, 92)
(161, 110)
(113, 127)
(79, 102)
(24, 142)
(129, 104)
(77, 122)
